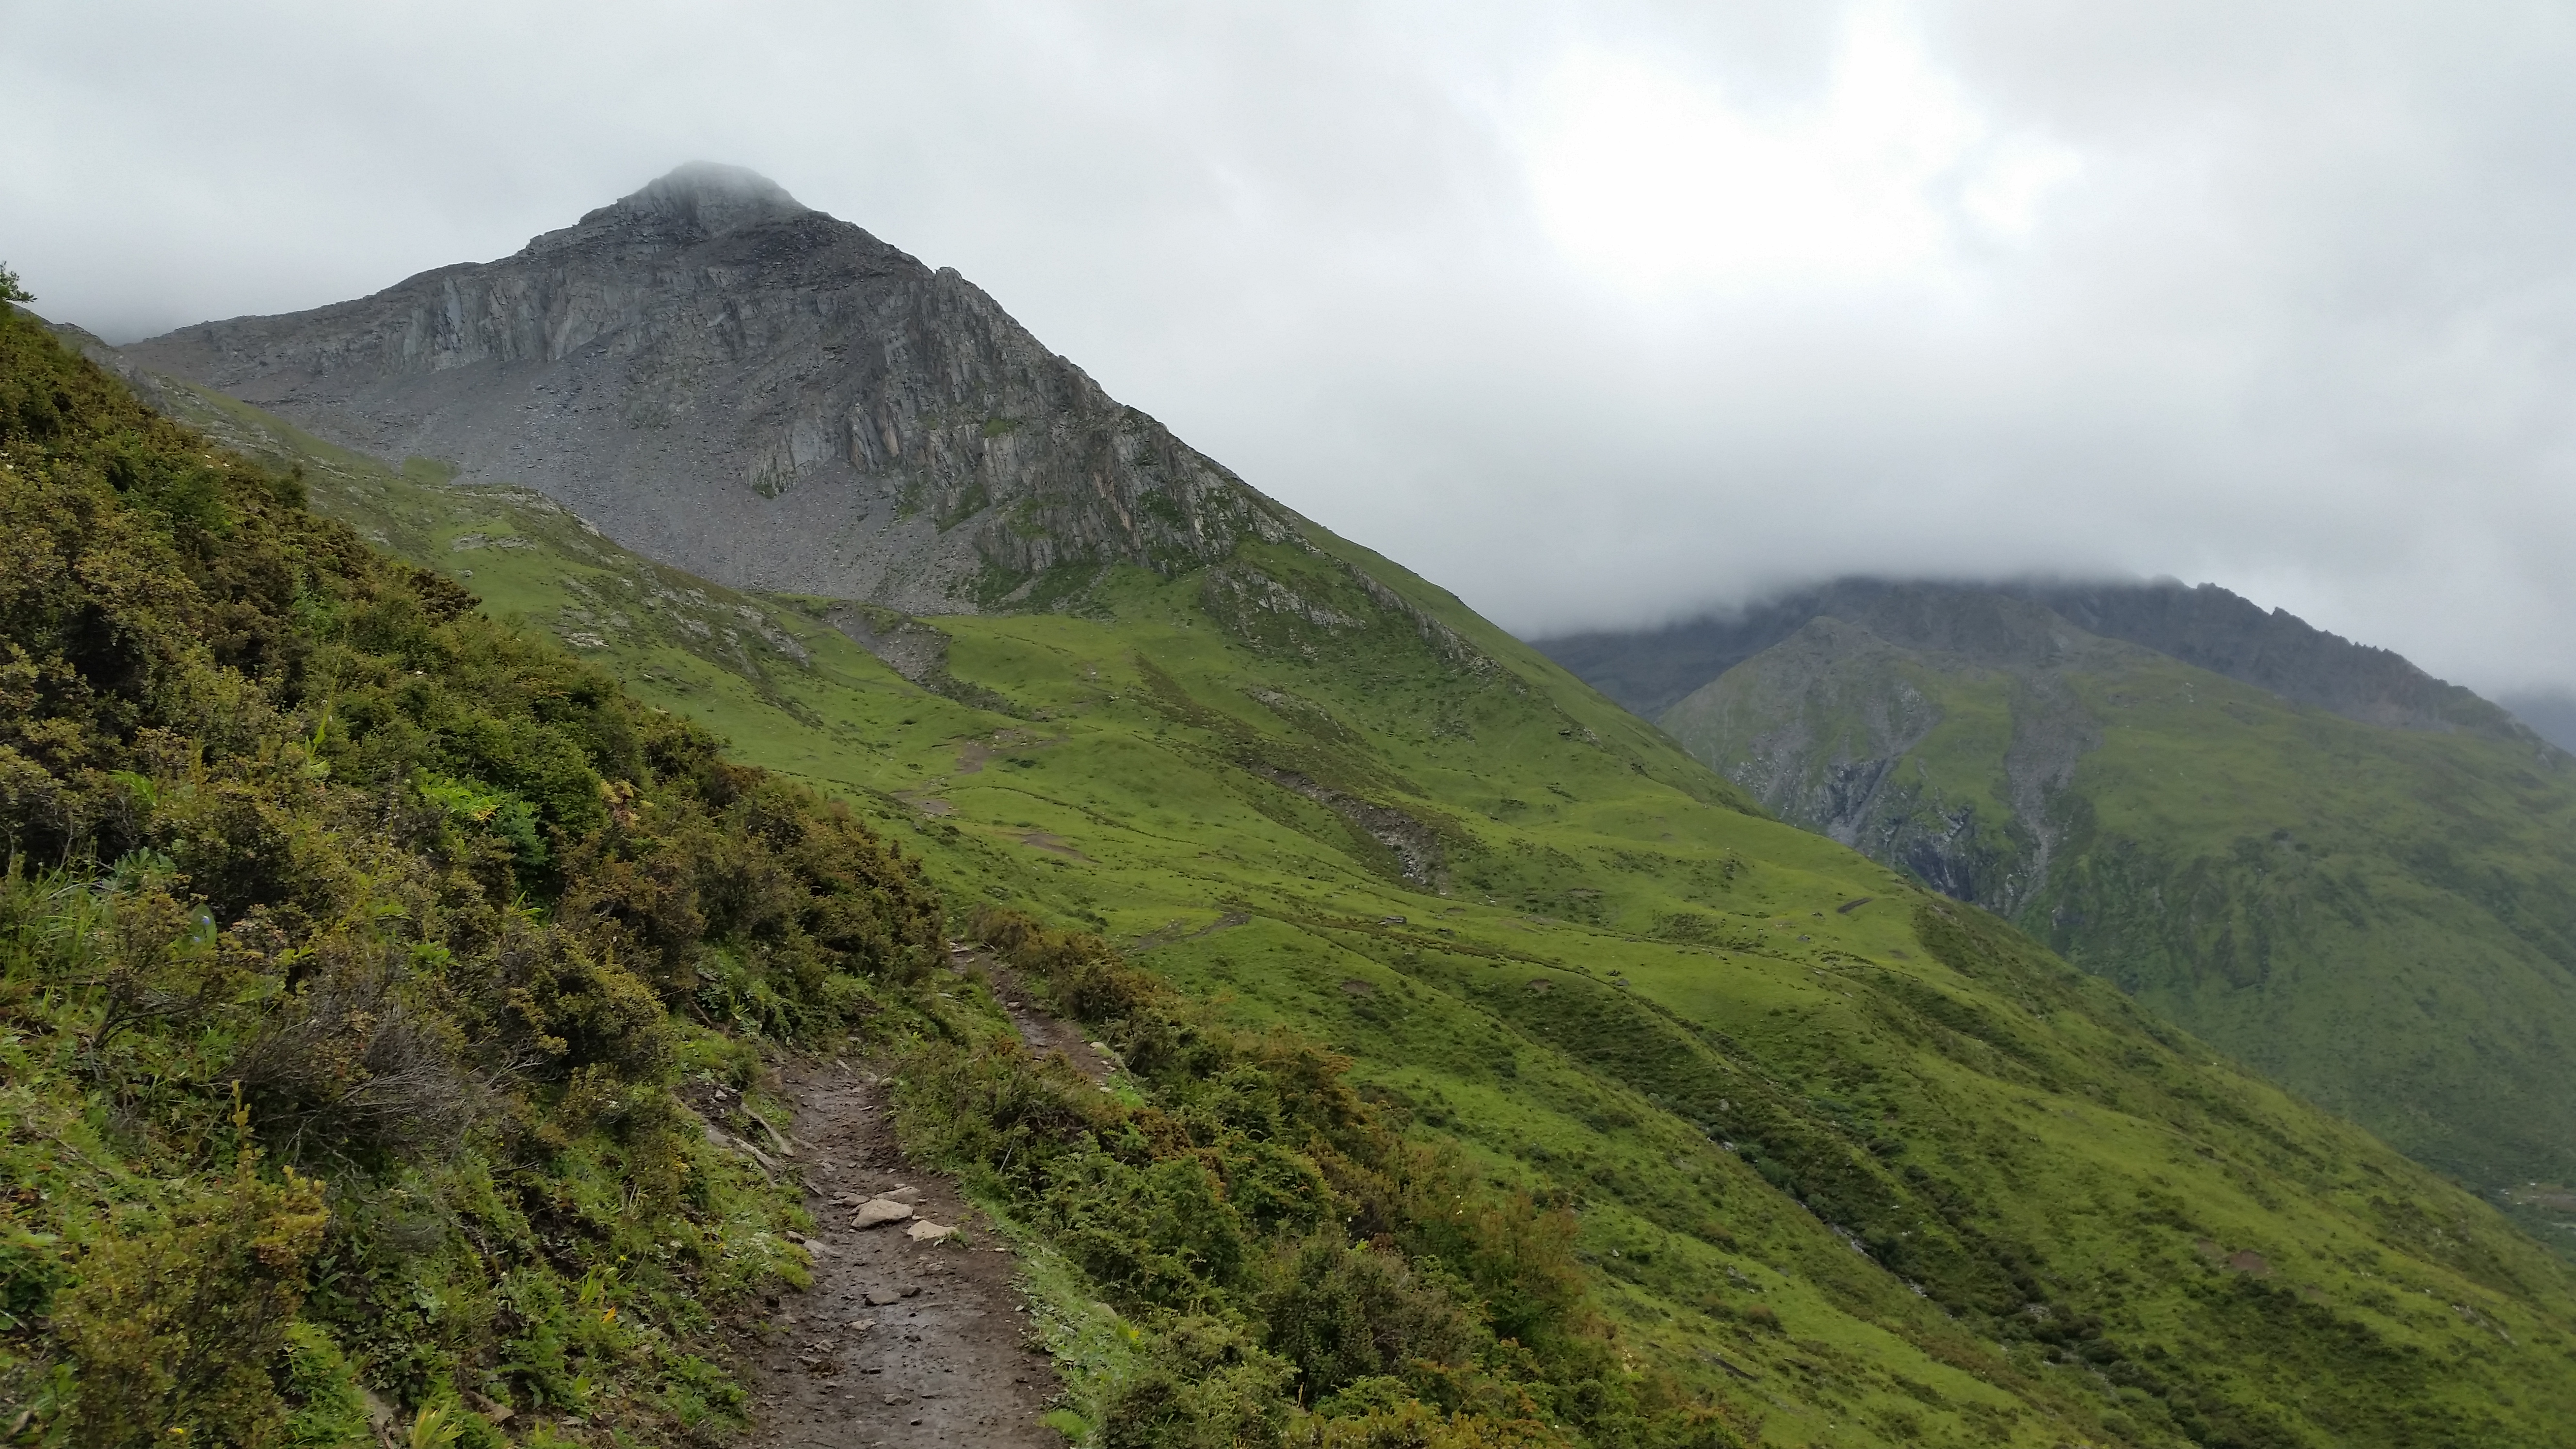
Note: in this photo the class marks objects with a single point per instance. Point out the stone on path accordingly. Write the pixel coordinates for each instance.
(880, 1210)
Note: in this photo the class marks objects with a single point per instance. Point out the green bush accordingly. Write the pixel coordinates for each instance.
(181, 1325)
(313, 870)
(1345, 1313)
(1295, 1270)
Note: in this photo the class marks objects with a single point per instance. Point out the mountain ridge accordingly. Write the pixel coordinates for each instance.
(1649, 670)
(2369, 913)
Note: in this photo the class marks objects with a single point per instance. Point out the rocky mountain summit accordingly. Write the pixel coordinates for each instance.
(728, 380)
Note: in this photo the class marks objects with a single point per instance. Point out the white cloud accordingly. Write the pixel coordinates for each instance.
(1592, 311)
(1653, 178)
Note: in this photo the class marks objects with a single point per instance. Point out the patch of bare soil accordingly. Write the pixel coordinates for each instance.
(972, 753)
(907, 1338)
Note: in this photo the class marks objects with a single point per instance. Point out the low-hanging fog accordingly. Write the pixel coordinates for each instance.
(1598, 314)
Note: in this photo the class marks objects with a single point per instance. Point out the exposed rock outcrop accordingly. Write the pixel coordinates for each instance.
(725, 379)
(1824, 727)
(1416, 846)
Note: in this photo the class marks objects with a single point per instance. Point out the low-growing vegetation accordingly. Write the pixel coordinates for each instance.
(1295, 1272)
(1830, 1161)
(353, 948)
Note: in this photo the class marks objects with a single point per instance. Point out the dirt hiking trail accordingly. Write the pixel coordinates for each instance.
(907, 1338)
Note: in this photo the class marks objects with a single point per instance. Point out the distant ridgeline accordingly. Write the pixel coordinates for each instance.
(1651, 670)
(2351, 875)
(1647, 1121)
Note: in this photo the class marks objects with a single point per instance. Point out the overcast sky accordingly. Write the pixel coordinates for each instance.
(1598, 314)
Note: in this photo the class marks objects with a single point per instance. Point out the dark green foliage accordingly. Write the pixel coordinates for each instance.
(1342, 1312)
(1275, 1240)
(177, 1322)
(316, 875)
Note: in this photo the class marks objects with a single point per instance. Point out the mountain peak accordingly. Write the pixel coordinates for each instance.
(727, 380)
(703, 199)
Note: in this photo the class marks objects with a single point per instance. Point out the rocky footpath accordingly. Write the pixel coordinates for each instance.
(914, 1331)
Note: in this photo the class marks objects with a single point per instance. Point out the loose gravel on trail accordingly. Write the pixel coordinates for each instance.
(905, 1339)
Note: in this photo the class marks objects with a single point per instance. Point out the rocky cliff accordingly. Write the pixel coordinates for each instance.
(1842, 726)
(725, 379)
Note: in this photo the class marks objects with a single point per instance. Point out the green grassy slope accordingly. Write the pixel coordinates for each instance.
(1861, 1163)
(313, 867)
(2382, 919)
(356, 979)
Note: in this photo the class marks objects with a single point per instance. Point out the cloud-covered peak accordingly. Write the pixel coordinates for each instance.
(703, 198)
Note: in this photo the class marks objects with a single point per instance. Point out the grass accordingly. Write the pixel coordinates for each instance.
(356, 979)
(1861, 1166)
(2383, 920)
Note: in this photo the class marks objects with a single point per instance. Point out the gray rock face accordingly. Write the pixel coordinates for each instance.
(1822, 727)
(722, 378)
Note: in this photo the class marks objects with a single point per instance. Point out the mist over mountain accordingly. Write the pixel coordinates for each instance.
(2551, 715)
(1648, 670)
(752, 390)
(2304, 849)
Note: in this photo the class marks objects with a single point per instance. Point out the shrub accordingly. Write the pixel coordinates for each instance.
(1343, 1313)
(181, 1325)
(346, 1067)
(1203, 1385)
(291, 827)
